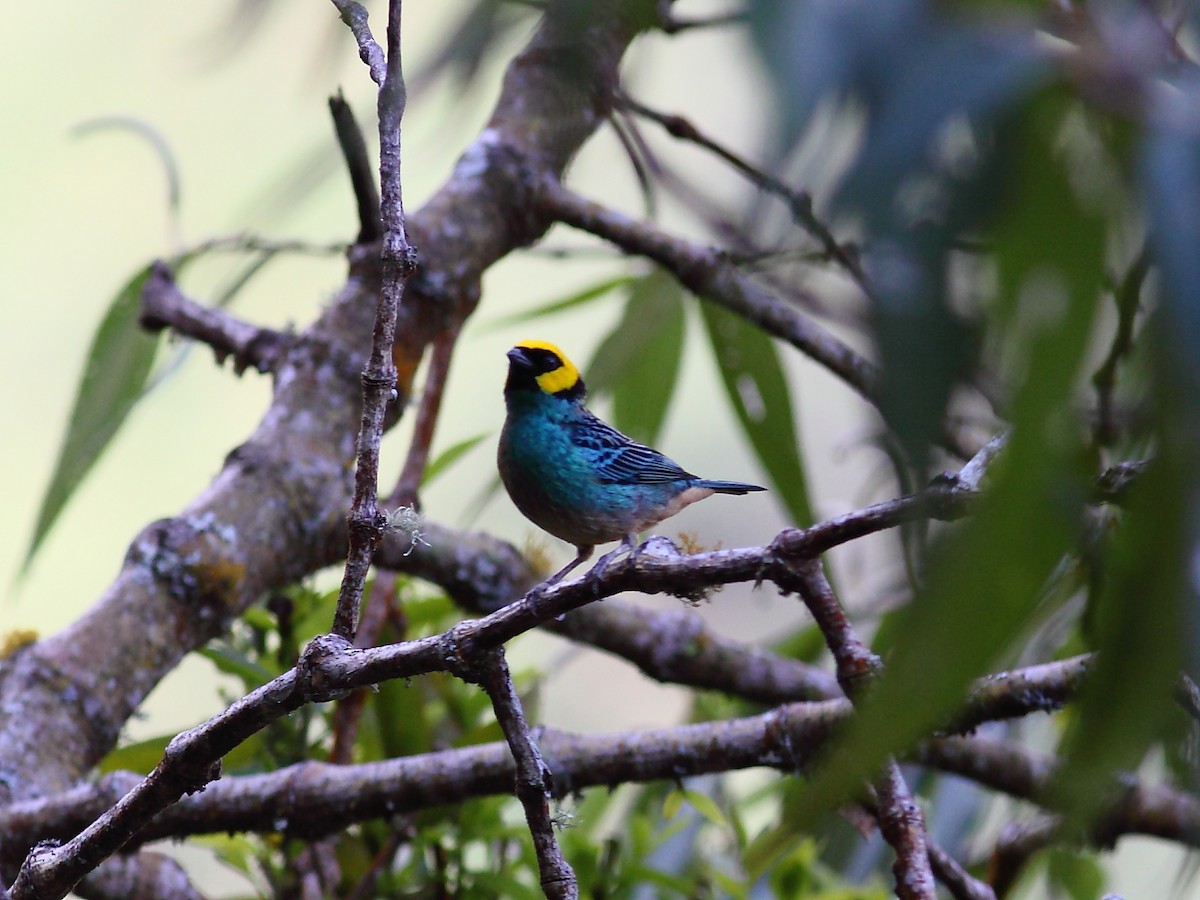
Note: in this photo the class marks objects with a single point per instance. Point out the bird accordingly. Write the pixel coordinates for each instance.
(574, 475)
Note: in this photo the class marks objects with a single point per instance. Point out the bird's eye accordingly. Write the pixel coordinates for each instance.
(547, 361)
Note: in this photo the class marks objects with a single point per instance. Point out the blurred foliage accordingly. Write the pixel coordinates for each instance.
(1024, 196)
(969, 139)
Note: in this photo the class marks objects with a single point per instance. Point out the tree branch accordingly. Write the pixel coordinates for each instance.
(1128, 300)
(312, 799)
(799, 203)
(405, 492)
(482, 573)
(355, 17)
(163, 306)
(707, 273)
(958, 881)
(1139, 808)
(534, 783)
(328, 669)
(276, 511)
(316, 798)
(1015, 846)
(348, 714)
(900, 820)
(379, 380)
(362, 180)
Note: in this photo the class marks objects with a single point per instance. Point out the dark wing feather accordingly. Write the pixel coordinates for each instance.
(620, 460)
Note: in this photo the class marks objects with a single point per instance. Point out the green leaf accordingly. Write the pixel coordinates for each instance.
(758, 390)
(402, 712)
(672, 803)
(594, 292)
(313, 613)
(984, 580)
(230, 662)
(1140, 629)
(450, 456)
(118, 365)
(707, 807)
(239, 852)
(767, 847)
(732, 887)
(638, 363)
(142, 756)
(805, 644)
(1074, 875)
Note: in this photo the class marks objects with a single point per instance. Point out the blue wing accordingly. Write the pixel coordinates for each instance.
(620, 460)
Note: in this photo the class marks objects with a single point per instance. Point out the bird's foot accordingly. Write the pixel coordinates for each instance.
(596, 573)
(533, 595)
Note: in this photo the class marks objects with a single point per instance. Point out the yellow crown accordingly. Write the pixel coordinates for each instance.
(562, 378)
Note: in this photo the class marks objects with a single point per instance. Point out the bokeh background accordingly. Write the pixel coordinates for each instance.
(236, 94)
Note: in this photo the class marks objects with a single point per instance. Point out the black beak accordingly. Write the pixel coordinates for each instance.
(519, 359)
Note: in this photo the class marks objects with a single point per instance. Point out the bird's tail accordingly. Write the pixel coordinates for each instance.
(728, 487)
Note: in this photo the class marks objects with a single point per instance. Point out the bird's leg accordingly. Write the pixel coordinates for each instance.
(582, 553)
(628, 544)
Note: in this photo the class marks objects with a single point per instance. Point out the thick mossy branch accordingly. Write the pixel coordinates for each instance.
(281, 497)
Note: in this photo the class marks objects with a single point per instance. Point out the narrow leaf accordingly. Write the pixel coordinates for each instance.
(672, 803)
(594, 292)
(758, 390)
(229, 662)
(707, 807)
(450, 456)
(639, 360)
(984, 580)
(118, 364)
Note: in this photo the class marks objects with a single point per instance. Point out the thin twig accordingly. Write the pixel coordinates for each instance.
(971, 475)
(316, 870)
(640, 158)
(327, 669)
(1016, 845)
(1187, 695)
(252, 243)
(405, 492)
(799, 203)
(366, 523)
(708, 274)
(902, 825)
(348, 714)
(397, 837)
(270, 517)
(672, 25)
(1113, 484)
(322, 798)
(900, 819)
(856, 664)
(958, 881)
(1128, 297)
(355, 17)
(534, 784)
(163, 306)
(358, 164)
